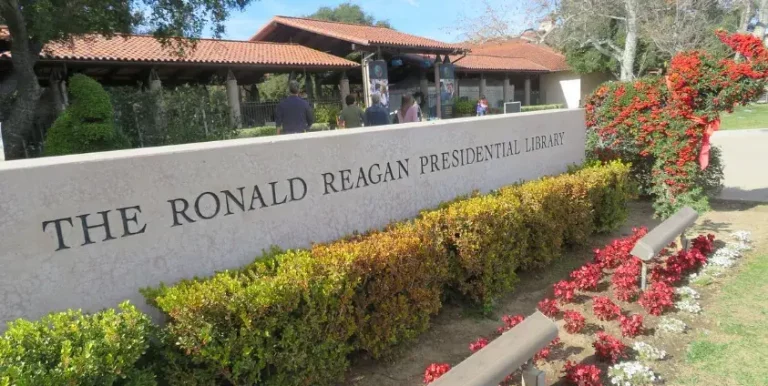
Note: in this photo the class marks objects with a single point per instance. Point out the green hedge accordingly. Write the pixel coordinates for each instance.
(541, 107)
(69, 348)
(297, 317)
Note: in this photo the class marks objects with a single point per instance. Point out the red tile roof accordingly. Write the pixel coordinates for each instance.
(140, 48)
(539, 54)
(356, 33)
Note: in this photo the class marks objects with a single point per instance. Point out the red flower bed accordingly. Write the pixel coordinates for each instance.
(574, 321)
(631, 326)
(434, 371)
(658, 298)
(549, 307)
(604, 308)
(608, 348)
(582, 375)
(626, 279)
(509, 322)
(663, 125)
(587, 277)
(478, 345)
(565, 291)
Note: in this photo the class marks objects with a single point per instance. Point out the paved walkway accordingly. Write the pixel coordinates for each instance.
(745, 154)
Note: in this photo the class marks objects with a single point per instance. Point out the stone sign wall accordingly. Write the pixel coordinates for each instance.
(88, 231)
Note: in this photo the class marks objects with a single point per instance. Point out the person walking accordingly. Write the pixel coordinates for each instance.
(351, 116)
(377, 114)
(409, 111)
(293, 114)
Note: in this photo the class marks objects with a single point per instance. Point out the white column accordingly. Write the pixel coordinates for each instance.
(233, 99)
(527, 100)
(438, 102)
(482, 85)
(508, 96)
(344, 87)
(154, 81)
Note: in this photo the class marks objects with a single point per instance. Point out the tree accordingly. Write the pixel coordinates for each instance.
(34, 23)
(348, 13)
(626, 37)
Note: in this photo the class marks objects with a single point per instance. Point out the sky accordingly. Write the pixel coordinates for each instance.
(428, 18)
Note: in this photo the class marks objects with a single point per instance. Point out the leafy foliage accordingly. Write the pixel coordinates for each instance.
(663, 125)
(186, 114)
(86, 125)
(348, 13)
(70, 348)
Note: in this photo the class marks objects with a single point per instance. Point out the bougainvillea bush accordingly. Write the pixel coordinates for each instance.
(663, 124)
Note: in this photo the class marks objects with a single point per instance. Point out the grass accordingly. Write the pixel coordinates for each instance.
(754, 116)
(735, 349)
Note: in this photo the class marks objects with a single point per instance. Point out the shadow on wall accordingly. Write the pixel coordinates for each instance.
(737, 194)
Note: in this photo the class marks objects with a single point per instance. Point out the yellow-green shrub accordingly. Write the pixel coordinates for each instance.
(293, 318)
(484, 238)
(71, 348)
(610, 188)
(399, 275)
(290, 328)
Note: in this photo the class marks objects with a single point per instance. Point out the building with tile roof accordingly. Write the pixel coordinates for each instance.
(128, 59)
(341, 38)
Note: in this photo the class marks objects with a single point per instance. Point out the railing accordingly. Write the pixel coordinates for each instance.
(260, 113)
(513, 349)
(661, 236)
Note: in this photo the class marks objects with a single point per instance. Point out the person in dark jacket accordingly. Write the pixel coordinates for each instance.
(377, 114)
(293, 115)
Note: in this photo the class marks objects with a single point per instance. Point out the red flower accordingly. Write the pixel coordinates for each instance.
(542, 355)
(604, 308)
(434, 371)
(631, 326)
(587, 277)
(658, 298)
(608, 348)
(582, 375)
(549, 307)
(478, 345)
(574, 321)
(565, 291)
(509, 322)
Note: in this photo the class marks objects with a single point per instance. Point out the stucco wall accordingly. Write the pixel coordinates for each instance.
(88, 231)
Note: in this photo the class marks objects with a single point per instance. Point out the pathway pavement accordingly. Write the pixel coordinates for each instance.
(745, 155)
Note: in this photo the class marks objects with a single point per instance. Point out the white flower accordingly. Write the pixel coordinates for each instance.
(648, 352)
(687, 293)
(742, 236)
(688, 305)
(725, 257)
(631, 374)
(671, 325)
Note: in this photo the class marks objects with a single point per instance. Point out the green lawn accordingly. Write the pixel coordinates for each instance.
(735, 350)
(754, 116)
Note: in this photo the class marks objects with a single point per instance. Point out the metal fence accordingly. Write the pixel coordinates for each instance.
(255, 114)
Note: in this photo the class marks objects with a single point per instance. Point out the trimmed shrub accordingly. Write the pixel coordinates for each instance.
(609, 189)
(87, 124)
(484, 238)
(293, 318)
(398, 274)
(286, 325)
(69, 348)
(526, 109)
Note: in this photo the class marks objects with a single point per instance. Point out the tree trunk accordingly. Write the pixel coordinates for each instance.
(24, 54)
(762, 20)
(630, 44)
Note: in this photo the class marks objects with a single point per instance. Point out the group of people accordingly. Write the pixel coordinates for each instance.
(294, 114)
